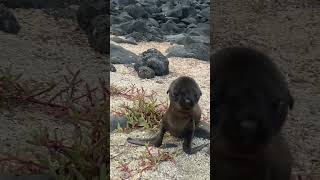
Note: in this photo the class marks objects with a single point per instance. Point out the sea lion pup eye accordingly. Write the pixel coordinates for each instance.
(252, 99)
(182, 117)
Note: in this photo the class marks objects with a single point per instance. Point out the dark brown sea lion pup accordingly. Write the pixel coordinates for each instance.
(252, 100)
(182, 116)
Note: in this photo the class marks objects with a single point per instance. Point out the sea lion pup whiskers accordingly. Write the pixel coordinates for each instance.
(182, 116)
(252, 100)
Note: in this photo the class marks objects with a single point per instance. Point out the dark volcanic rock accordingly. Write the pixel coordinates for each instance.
(132, 26)
(136, 11)
(98, 34)
(123, 3)
(170, 27)
(122, 40)
(137, 36)
(200, 51)
(89, 9)
(93, 18)
(138, 26)
(152, 35)
(177, 38)
(179, 51)
(192, 26)
(155, 60)
(122, 17)
(151, 20)
(202, 29)
(183, 39)
(196, 39)
(120, 55)
(152, 9)
(182, 11)
(117, 31)
(156, 33)
(145, 72)
(8, 22)
(205, 13)
(158, 16)
(195, 50)
(189, 20)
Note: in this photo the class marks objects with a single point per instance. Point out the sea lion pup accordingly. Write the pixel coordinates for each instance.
(251, 105)
(182, 116)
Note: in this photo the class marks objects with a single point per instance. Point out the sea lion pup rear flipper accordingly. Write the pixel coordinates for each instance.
(142, 142)
(198, 148)
(155, 141)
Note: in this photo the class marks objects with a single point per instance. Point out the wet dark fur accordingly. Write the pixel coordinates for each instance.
(182, 116)
(251, 101)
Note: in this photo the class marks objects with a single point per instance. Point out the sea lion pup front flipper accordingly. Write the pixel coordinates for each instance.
(187, 147)
(187, 143)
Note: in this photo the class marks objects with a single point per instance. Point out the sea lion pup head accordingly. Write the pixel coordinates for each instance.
(184, 93)
(252, 96)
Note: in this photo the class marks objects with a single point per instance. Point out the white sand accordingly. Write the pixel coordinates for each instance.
(186, 166)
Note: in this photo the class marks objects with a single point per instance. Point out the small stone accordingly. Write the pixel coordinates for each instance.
(145, 72)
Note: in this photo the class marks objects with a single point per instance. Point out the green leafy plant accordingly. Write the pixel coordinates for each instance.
(143, 109)
(143, 113)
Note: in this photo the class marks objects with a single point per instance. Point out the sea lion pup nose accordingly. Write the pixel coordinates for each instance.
(182, 116)
(188, 102)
